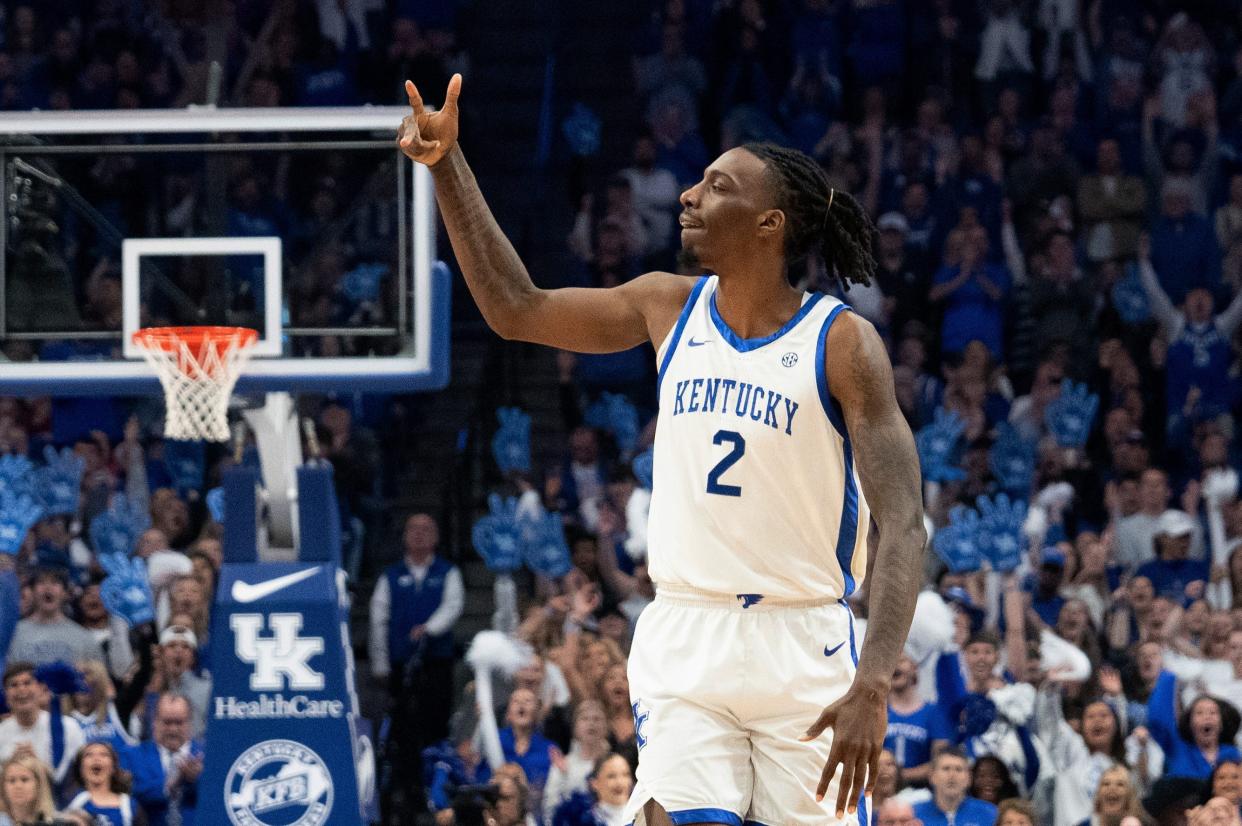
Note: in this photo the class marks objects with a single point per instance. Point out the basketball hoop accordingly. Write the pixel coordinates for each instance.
(198, 368)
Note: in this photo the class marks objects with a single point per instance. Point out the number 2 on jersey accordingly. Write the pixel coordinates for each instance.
(713, 476)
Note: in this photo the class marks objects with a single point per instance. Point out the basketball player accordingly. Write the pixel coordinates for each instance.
(779, 442)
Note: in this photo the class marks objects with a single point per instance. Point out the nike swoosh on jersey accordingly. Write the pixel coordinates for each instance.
(251, 591)
(828, 652)
(694, 343)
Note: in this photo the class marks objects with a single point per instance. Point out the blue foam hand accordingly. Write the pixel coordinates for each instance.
(61, 678)
(958, 542)
(644, 467)
(1000, 531)
(215, 504)
(511, 444)
(16, 474)
(116, 530)
(18, 514)
(1070, 417)
(544, 546)
(186, 462)
(1129, 298)
(498, 536)
(58, 485)
(362, 283)
(1012, 460)
(936, 444)
(126, 592)
(616, 413)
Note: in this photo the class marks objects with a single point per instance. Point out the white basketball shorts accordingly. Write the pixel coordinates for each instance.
(722, 688)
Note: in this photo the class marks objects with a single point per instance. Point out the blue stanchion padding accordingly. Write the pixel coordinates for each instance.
(319, 517)
(283, 742)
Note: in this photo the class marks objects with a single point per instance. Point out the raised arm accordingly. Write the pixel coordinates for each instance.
(583, 320)
(860, 382)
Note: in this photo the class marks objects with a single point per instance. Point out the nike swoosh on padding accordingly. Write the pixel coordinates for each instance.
(250, 591)
(828, 652)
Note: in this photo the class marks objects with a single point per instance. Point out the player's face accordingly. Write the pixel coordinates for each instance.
(729, 210)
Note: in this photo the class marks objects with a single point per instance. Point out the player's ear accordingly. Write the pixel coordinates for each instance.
(771, 222)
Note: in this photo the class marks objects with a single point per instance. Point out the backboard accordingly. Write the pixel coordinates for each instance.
(305, 224)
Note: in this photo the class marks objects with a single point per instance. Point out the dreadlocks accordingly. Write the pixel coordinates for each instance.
(819, 216)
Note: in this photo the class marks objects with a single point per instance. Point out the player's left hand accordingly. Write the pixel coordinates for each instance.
(859, 721)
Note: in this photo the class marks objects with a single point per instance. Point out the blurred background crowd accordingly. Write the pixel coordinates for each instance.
(1057, 190)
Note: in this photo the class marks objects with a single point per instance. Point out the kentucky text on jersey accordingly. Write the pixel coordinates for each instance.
(753, 401)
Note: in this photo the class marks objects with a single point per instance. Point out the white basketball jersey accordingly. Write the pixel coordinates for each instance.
(754, 488)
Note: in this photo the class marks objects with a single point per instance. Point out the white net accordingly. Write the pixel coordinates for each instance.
(198, 368)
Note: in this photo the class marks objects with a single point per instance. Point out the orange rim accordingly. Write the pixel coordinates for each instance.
(168, 338)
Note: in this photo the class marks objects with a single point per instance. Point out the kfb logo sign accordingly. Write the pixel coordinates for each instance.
(278, 783)
(283, 656)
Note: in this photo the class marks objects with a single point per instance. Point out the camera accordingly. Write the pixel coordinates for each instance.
(470, 804)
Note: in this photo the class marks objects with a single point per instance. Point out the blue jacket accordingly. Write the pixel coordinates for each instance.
(143, 761)
(972, 812)
(1181, 758)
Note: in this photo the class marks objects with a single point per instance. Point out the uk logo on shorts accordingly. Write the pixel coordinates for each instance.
(278, 783)
(641, 715)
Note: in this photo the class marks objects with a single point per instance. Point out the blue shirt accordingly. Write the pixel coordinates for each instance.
(1171, 576)
(970, 313)
(972, 812)
(536, 762)
(910, 736)
(1181, 758)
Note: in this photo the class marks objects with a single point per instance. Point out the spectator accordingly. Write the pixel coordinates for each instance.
(28, 729)
(654, 191)
(894, 811)
(111, 633)
(1183, 246)
(1015, 812)
(917, 730)
(1226, 781)
(1197, 740)
(990, 781)
(414, 607)
(589, 746)
(47, 635)
(611, 782)
(1198, 384)
(524, 745)
(1111, 205)
(973, 293)
(1116, 799)
(105, 787)
(25, 791)
(174, 673)
(166, 769)
(1172, 573)
(949, 803)
(1136, 533)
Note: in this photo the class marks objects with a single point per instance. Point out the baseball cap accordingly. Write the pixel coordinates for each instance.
(895, 221)
(1175, 523)
(1052, 556)
(178, 633)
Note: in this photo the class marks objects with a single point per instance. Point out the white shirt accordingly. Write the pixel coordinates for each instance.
(451, 605)
(39, 737)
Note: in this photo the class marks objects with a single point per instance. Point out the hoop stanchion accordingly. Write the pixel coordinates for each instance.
(198, 369)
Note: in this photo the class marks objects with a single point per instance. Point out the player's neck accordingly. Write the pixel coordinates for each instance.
(756, 305)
